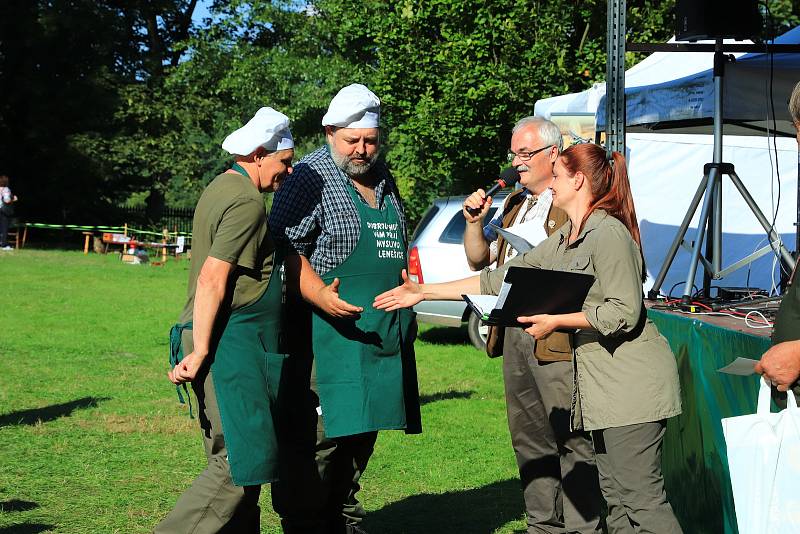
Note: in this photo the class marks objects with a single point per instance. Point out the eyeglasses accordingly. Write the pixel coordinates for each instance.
(526, 156)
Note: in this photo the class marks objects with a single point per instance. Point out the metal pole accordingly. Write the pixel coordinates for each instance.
(615, 77)
(676, 243)
(711, 181)
(716, 223)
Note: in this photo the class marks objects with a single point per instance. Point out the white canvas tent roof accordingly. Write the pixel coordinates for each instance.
(686, 104)
(656, 68)
(666, 169)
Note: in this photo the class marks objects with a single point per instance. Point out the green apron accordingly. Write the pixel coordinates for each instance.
(787, 322)
(365, 368)
(246, 367)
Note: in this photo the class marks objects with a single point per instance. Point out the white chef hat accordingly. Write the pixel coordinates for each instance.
(354, 106)
(268, 128)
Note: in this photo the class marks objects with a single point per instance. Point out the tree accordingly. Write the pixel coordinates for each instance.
(455, 75)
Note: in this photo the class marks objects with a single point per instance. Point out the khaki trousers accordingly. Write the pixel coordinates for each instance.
(629, 462)
(213, 503)
(556, 466)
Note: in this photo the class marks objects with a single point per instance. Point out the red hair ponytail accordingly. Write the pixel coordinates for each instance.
(611, 189)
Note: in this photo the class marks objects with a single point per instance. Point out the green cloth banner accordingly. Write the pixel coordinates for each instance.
(695, 460)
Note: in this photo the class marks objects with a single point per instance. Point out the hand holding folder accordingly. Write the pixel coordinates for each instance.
(527, 291)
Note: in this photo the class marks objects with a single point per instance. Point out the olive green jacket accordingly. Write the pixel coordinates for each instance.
(625, 372)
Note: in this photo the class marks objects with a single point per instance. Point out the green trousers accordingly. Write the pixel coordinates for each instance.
(629, 464)
(213, 503)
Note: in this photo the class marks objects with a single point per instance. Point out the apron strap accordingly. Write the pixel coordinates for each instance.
(175, 356)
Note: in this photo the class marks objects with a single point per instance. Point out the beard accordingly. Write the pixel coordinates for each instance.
(349, 167)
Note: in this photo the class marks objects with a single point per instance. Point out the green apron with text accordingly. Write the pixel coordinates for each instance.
(365, 367)
(246, 366)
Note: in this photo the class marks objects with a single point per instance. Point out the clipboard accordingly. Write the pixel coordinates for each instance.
(529, 291)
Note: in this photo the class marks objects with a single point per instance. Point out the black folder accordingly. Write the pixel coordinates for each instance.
(536, 291)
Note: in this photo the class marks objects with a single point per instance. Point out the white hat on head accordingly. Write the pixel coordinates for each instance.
(354, 106)
(268, 128)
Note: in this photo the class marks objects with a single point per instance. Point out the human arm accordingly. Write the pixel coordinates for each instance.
(410, 293)
(238, 239)
(781, 364)
(474, 209)
(211, 286)
(302, 277)
(544, 324)
(614, 305)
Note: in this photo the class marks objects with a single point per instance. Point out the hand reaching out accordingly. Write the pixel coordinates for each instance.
(328, 301)
(403, 296)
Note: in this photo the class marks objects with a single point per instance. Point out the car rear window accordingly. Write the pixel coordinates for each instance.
(426, 219)
(454, 232)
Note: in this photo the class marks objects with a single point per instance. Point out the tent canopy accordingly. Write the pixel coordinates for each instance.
(686, 105)
(656, 68)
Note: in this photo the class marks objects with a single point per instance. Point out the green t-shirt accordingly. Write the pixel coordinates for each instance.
(230, 224)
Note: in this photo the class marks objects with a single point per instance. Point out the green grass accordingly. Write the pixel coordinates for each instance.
(92, 439)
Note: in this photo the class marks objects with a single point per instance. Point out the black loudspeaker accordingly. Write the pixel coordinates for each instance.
(716, 19)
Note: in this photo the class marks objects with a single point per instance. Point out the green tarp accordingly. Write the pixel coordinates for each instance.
(695, 459)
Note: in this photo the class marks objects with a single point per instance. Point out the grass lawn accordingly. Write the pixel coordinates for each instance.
(92, 439)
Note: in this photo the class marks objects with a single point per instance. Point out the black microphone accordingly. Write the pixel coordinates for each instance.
(508, 178)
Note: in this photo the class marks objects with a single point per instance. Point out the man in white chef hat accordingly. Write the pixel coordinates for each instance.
(227, 340)
(341, 223)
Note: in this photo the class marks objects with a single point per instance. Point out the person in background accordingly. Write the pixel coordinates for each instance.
(7, 201)
(556, 464)
(227, 341)
(781, 363)
(626, 378)
(341, 222)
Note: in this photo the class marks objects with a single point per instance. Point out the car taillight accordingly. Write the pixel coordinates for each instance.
(414, 266)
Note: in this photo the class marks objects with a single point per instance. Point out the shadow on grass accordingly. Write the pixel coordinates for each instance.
(16, 505)
(483, 509)
(445, 335)
(444, 395)
(27, 528)
(49, 413)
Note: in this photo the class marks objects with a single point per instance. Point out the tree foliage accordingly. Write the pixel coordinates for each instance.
(114, 101)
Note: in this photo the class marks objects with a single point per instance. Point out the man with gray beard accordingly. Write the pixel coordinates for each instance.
(340, 225)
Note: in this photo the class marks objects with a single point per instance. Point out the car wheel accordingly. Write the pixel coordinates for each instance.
(478, 332)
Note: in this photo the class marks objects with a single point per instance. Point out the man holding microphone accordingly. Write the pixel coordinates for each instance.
(556, 466)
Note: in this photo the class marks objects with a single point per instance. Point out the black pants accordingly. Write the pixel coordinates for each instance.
(5, 222)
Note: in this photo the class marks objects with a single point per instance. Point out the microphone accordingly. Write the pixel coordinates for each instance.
(508, 178)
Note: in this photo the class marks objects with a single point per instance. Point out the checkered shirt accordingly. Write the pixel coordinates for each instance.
(313, 214)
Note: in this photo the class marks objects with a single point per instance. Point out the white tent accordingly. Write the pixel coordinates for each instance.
(656, 68)
(685, 103)
(666, 169)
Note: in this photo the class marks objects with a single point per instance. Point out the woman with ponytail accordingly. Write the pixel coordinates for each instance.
(626, 379)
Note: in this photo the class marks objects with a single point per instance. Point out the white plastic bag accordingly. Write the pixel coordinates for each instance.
(764, 463)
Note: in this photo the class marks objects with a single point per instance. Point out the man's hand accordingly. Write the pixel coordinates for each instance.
(403, 296)
(186, 370)
(781, 364)
(541, 325)
(327, 300)
(476, 206)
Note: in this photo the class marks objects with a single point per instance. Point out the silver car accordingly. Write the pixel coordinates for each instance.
(436, 254)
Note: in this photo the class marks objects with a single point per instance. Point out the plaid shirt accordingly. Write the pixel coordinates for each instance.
(313, 214)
